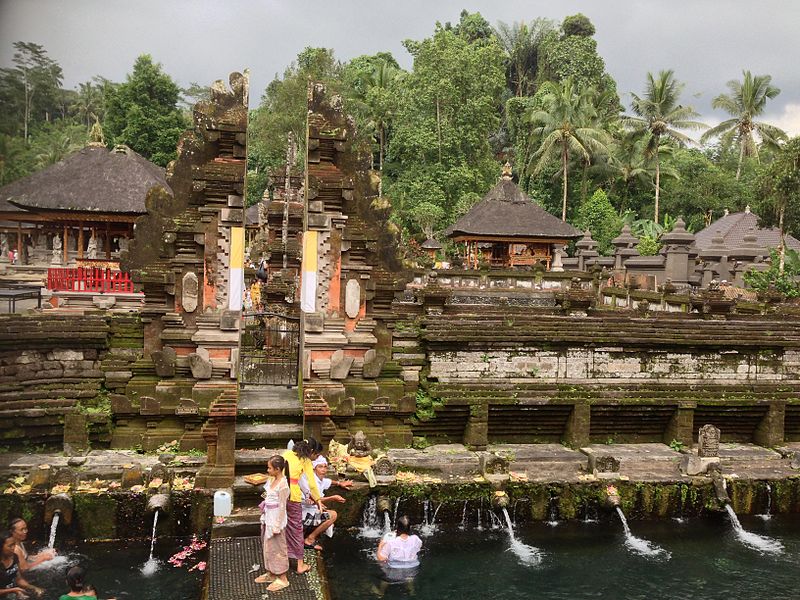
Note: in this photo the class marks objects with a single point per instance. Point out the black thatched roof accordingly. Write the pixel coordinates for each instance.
(93, 179)
(733, 227)
(506, 211)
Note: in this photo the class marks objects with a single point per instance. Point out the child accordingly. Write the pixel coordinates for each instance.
(315, 522)
(273, 523)
(398, 555)
(12, 584)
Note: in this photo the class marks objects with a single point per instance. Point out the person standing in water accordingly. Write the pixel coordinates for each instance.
(19, 529)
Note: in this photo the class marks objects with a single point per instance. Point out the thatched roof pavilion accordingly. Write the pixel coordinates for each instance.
(94, 191)
(508, 229)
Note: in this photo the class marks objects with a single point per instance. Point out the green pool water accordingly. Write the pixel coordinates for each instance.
(697, 558)
(115, 569)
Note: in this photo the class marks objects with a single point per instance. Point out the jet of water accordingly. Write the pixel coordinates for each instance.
(767, 515)
(528, 555)
(53, 528)
(152, 565)
(370, 525)
(761, 543)
(638, 545)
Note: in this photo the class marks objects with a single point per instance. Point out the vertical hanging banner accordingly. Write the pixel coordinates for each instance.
(236, 271)
(308, 284)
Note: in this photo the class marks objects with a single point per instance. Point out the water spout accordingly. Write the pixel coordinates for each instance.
(761, 543)
(638, 545)
(766, 516)
(528, 555)
(552, 511)
(158, 502)
(463, 516)
(396, 508)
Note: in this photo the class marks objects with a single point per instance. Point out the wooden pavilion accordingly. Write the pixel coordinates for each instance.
(79, 211)
(507, 229)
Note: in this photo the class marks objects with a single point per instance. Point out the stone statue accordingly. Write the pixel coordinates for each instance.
(91, 249)
(56, 250)
(123, 244)
(3, 247)
(359, 446)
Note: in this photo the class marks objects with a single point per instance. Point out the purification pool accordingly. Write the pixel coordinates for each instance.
(692, 558)
(115, 569)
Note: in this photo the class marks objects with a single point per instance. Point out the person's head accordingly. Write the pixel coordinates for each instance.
(309, 448)
(403, 526)
(7, 544)
(321, 467)
(19, 529)
(76, 578)
(275, 465)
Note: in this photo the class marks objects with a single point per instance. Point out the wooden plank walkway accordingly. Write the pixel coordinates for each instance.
(229, 576)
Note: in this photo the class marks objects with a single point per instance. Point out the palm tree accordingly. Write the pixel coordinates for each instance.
(87, 103)
(565, 125)
(745, 102)
(379, 99)
(659, 115)
(522, 42)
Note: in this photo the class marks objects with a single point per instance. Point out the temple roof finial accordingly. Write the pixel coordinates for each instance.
(506, 171)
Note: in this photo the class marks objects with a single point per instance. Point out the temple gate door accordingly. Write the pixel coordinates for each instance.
(270, 349)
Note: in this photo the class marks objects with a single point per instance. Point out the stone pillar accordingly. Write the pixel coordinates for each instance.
(681, 423)
(476, 433)
(76, 436)
(578, 425)
(769, 432)
(678, 243)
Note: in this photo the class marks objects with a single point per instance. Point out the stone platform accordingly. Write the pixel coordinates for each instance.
(231, 574)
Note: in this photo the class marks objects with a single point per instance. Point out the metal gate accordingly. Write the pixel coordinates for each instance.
(270, 348)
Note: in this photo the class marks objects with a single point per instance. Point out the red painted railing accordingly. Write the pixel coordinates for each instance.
(89, 279)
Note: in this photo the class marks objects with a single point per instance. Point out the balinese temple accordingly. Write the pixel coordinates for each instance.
(730, 230)
(508, 229)
(79, 211)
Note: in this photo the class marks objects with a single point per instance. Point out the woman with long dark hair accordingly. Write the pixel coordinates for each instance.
(299, 460)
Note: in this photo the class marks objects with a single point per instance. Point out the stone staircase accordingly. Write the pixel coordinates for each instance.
(268, 417)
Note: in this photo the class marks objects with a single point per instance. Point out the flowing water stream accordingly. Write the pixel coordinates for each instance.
(152, 565)
(638, 545)
(762, 543)
(53, 528)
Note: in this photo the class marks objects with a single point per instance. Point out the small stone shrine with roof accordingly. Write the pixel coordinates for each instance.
(508, 229)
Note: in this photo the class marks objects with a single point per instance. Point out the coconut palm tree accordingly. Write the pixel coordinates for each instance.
(659, 114)
(746, 102)
(565, 126)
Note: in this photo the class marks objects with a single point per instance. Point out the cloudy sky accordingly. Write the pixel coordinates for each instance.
(706, 42)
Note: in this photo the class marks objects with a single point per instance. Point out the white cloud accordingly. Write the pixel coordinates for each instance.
(789, 121)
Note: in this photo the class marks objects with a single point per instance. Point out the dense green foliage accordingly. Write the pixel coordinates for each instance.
(143, 112)
(534, 93)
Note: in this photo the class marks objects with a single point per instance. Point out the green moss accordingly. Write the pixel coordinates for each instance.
(96, 516)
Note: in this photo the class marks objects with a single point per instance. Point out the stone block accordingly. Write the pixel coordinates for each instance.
(149, 406)
(64, 355)
(190, 287)
(340, 365)
(76, 435)
(229, 320)
(164, 361)
(315, 322)
(121, 405)
(201, 367)
(692, 465)
(187, 407)
(373, 364)
(104, 302)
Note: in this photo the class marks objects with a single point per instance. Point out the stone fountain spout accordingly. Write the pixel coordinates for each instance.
(158, 502)
(61, 504)
(384, 504)
(612, 499)
(500, 499)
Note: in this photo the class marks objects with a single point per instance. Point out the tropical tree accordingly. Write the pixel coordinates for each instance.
(745, 102)
(88, 103)
(522, 43)
(143, 113)
(780, 188)
(565, 126)
(659, 114)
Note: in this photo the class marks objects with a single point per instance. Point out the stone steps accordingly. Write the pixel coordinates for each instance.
(266, 434)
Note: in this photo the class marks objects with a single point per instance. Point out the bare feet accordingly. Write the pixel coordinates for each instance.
(303, 569)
